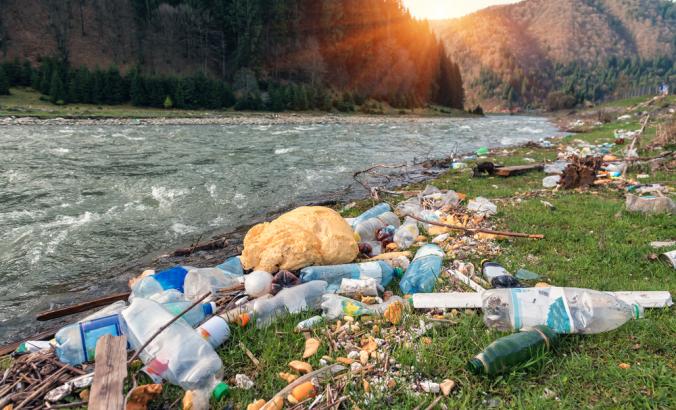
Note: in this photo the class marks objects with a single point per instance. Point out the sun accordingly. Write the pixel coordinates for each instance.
(430, 9)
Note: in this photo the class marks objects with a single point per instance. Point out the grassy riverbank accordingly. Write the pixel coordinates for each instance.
(26, 102)
(591, 242)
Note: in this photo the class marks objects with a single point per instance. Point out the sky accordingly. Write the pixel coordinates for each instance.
(444, 9)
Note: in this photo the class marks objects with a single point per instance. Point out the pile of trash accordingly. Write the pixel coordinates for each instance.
(311, 258)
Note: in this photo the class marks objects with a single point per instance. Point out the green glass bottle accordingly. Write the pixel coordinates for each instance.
(513, 350)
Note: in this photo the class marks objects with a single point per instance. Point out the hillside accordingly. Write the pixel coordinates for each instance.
(275, 54)
(534, 47)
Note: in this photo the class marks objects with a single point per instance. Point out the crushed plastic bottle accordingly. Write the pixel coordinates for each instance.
(423, 271)
(372, 213)
(498, 276)
(510, 351)
(407, 233)
(564, 310)
(335, 307)
(178, 354)
(199, 281)
(381, 271)
(366, 230)
(172, 278)
(289, 300)
(354, 287)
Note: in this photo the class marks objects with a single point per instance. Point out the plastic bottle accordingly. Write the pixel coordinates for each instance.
(406, 233)
(367, 229)
(178, 354)
(498, 276)
(381, 271)
(195, 315)
(371, 248)
(335, 307)
(564, 310)
(289, 300)
(510, 351)
(172, 278)
(232, 266)
(76, 343)
(215, 331)
(423, 271)
(371, 213)
(199, 281)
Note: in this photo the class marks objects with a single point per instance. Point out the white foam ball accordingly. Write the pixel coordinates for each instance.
(258, 283)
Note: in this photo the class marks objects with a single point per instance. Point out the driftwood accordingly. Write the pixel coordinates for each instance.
(81, 307)
(518, 169)
(478, 230)
(208, 246)
(581, 172)
(109, 373)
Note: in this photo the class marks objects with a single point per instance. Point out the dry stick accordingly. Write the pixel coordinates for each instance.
(44, 386)
(434, 403)
(66, 405)
(477, 230)
(332, 368)
(160, 330)
(250, 355)
(635, 140)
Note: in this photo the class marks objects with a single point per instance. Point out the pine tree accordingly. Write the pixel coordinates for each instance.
(137, 90)
(4, 82)
(57, 93)
(26, 74)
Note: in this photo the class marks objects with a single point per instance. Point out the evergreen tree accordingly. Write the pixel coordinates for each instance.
(57, 93)
(26, 74)
(4, 82)
(137, 90)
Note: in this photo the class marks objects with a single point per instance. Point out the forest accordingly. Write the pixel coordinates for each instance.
(258, 54)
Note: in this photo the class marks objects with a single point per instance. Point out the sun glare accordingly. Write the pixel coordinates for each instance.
(444, 9)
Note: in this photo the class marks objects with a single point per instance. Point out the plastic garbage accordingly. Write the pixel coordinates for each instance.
(564, 310)
(367, 229)
(257, 283)
(76, 343)
(199, 281)
(167, 296)
(511, 351)
(173, 278)
(650, 205)
(410, 206)
(372, 213)
(482, 151)
(358, 287)
(498, 276)
(178, 354)
(283, 279)
(482, 206)
(556, 167)
(423, 271)
(215, 331)
(381, 271)
(308, 324)
(458, 165)
(551, 181)
(335, 307)
(407, 233)
(370, 249)
(305, 236)
(524, 274)
(438, 199)
(31, 346)
(290, 300)
(195, 315)
(669, 258)
(232, 266)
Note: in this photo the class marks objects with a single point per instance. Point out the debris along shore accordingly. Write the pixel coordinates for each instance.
(370, 345)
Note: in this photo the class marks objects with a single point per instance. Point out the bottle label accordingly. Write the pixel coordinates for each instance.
(547, 306)
(92, 330)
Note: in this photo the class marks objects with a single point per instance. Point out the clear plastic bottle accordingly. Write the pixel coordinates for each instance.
(178, 354)
(289, 300)
(371, 213)
(335, 307)
(422, 273)
(194, 316)
(564, 310)
(199, 281)
(498, 276)
(172, 278)
(406, 233)
(510, 351)
(232, 266)
(76, 343)
(378, 270)
(367, 229)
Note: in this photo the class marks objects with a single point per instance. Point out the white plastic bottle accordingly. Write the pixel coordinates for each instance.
(288, 300)
(564, 310)
(367, 229)
(406, 233)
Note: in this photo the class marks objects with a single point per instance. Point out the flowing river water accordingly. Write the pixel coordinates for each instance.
(76, 200)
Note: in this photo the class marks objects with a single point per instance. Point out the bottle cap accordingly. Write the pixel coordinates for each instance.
(215, 330)
(222, 389)
(243, 319)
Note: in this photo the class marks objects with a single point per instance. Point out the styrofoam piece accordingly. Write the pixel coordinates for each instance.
(466, 280)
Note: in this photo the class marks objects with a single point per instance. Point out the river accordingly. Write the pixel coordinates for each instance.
(77, 200)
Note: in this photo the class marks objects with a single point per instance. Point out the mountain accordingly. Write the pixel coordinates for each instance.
(276, 54)
(522, 52)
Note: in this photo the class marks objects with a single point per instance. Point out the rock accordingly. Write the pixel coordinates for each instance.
(356, 367)
(300, 367)
(243, 381)
(311, 347)
(447, 386)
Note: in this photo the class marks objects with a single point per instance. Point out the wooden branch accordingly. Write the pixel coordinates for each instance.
(478, 230)
(166, 325)
(109, 373)
(208, 246)
(81, 307)
(46, 384)
(332, 368)
(634, 141)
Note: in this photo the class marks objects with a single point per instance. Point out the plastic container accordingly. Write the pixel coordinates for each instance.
(381, 271)
(199, 281)
(194, 316)
(368, 229)
(173, 278)
(290, 300)
(232, 266)
(335, 307)
(215, 331)
(498, 276)
(564, 310)
(178, 354)
(76, 343)
(406, 234)
(372, 213)
(423, 271)
(511, 351)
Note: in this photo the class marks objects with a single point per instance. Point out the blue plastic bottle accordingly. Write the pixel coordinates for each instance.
(232, 266)
(423, 271)
(172, 278)
(372, 213)
(334, 274)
